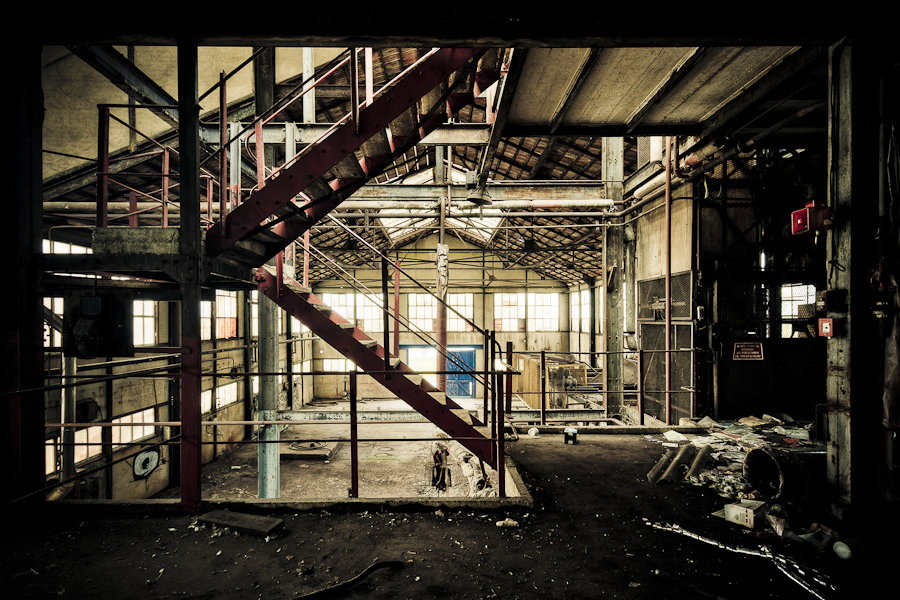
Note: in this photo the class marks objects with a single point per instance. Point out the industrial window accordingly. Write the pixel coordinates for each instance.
(83, 437)
(50, 465)
(226, 315)
(509, 311)
(340, 303)
(53, 337)
(54, 247)
(338, 364)
(422, 311)
(463, 304)
(793, 297)
(126, 435)
(254, 313)
(574, 305)
(585, 310)
(297, 327)
(543, 312)
(205, 320)
(206, 401)
(226, 394)
(144, 323)
(369, 315)
(423, 359)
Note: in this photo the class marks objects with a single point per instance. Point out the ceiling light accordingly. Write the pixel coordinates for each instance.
(479, 197)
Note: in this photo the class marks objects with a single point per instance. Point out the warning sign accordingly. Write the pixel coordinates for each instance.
(747, 351)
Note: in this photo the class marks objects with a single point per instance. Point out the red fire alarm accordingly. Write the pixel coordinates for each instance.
(810, 218)
(829, 327)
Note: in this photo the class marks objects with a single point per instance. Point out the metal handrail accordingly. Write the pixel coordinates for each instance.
(421, 334)
(410, 277)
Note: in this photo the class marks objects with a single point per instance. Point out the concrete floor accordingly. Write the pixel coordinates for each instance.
(587, 536)
(391, 469)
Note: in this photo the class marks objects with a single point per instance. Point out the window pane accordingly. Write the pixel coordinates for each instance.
(509, 311)
(543, 312)
(465, 305)
(422, 311)
(369, 313)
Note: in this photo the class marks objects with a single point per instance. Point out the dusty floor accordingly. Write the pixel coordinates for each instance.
(587, 537)
(387, 469)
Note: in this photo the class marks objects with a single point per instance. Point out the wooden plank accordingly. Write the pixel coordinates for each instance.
(243, 522)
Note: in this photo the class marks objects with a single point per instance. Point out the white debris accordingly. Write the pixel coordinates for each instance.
(674, 436)
(533, 432)
(507, 522)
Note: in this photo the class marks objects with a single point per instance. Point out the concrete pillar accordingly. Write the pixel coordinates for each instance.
(22, 417)
(614, 278)
(855, 357)
(191, 277)
(269, 484)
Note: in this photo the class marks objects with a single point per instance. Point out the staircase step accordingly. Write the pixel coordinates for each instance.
(296, 287)
(395, 362)
(347, 169)
(416, 379)
(405, 125)
(462, 414)
(439, 396)
(323, 308)
(377, 146)
(369, 343)
(346, 325)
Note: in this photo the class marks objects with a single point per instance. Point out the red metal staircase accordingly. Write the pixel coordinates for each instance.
(350, 154)
(302, 192)
(368, 354)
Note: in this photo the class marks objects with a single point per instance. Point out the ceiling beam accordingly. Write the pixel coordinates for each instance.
(125, 75)
(675, 77)
(504, 103)
(786, 69)
(568, 98)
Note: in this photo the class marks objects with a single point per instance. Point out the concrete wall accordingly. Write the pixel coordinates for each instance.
(650, 253)
(73, 89)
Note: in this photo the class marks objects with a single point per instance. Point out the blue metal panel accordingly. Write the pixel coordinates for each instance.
(461, 385)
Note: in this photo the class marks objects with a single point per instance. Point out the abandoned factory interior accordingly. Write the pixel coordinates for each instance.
(429, 308)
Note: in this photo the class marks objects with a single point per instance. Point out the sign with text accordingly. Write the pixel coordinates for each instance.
(747, 351)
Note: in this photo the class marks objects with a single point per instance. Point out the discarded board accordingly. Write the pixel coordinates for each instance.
(243, 522)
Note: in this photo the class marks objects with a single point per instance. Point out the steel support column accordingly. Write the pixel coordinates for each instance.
(189, 242)
(269, 455)
(614, 279)
(854, 358)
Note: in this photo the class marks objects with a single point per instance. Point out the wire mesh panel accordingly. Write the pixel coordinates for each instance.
(653, 371)
(652, 297)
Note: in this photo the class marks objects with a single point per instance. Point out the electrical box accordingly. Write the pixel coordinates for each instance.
(829, 327)
(810, 218)
(831, 301)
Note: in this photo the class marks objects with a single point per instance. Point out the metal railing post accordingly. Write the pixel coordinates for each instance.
(386, 315)
(165, 187)
(102, 165)
(640, 386)
(508, 375)
(543, 387)
(354, 441)
(486, 383)
(223, 148)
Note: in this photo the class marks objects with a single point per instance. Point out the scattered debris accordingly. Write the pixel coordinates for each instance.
(439, 513)
(814, 582)
(570, 435)
(533, 432)
(507, 522)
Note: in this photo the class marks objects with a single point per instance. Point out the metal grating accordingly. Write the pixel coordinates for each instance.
(653, 378)
(652, 296)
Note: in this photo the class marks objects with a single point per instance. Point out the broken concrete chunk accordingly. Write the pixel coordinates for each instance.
(507, 522)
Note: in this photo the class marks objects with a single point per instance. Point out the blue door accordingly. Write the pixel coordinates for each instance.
(461, 385)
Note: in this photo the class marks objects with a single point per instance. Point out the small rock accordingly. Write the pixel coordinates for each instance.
(507, 522)
(439, 513)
